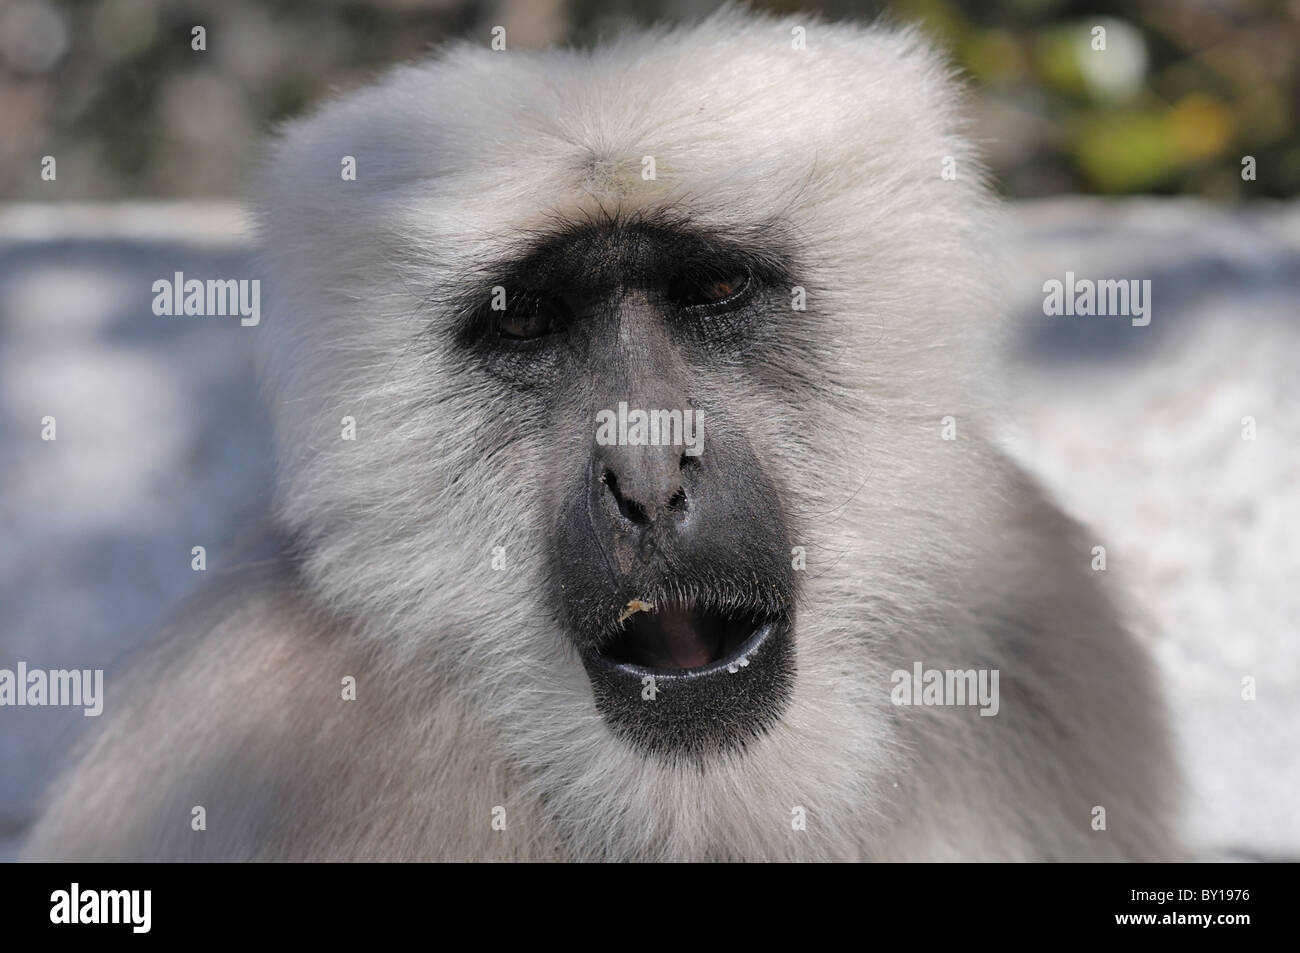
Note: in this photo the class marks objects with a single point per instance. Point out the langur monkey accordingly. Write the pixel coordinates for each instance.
(639, 494)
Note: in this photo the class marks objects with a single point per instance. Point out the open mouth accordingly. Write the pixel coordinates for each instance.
(681, 640)
(677, 680)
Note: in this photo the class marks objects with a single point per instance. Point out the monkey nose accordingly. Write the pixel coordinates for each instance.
(643, 486)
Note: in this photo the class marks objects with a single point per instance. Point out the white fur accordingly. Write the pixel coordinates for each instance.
(919, 549)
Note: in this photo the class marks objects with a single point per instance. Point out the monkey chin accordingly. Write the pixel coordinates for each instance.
(683, 683)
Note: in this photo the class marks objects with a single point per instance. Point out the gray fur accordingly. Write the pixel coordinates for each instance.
(469, 697)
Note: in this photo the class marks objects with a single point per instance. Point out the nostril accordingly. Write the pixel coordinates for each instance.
(632, 511)
(677, 502)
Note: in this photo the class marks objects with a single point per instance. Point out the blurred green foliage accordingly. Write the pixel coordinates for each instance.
(1180, 94)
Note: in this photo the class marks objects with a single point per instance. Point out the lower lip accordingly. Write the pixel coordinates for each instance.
(747, 649)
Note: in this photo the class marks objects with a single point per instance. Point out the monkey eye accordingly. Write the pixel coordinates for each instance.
(712, 291)
(528, 318)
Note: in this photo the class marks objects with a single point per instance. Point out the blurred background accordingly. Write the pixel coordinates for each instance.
(1187, 87)
(1123, 165)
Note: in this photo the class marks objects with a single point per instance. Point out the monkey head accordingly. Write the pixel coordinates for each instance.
(546, 268)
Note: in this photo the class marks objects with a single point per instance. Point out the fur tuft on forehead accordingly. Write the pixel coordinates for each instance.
(724, 110)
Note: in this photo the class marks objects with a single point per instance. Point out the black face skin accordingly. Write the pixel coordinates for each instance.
(641, 313)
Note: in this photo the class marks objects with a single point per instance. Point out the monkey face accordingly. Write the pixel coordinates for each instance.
(646, 470)
(669, 555)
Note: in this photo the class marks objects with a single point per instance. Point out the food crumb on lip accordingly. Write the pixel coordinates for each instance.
(633, 607)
